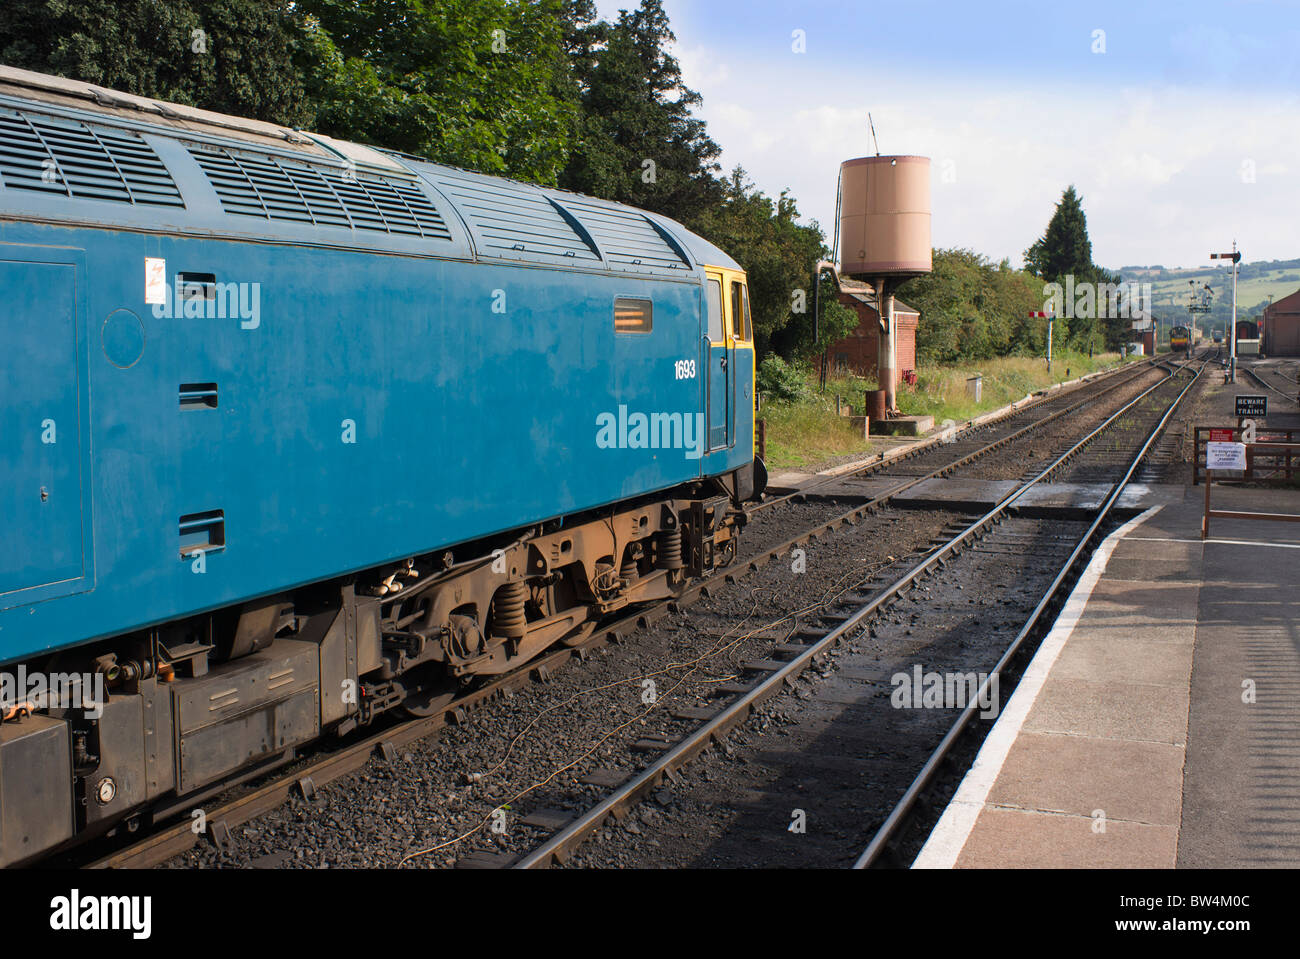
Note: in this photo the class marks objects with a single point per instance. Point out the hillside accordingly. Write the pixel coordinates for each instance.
(1256, 283)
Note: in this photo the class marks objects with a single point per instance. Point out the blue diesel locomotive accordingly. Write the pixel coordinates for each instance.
(294, 431)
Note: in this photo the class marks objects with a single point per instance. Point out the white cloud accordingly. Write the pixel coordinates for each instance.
(1160, 170)
(697, 64)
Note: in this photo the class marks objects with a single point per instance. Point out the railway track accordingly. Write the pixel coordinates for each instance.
(255, 798)
(993, 539)
(972, 440)
(884, 845)
(1277, 381)
(1021, 436)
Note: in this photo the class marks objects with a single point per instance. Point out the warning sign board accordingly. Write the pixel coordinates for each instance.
(1222, 436)
(1252, 405)
(1225, 456)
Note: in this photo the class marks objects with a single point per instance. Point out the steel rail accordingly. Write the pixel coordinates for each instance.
(1289, 397)
(888, 830)
(560, 846)
(175, 838)
(969, 427)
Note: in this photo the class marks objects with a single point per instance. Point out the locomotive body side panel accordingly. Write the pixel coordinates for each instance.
(353, 409)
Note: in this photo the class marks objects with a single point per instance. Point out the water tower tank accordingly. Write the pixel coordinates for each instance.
(885, 216)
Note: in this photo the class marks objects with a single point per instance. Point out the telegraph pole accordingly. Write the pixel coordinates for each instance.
(1235, 257)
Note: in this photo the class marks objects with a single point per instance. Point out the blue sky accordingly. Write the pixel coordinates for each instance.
(1181, 135)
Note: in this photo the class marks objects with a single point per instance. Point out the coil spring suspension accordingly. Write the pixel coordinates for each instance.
(508, 617)
(670, 549)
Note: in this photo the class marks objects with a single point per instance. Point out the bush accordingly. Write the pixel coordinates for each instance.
(779, 380)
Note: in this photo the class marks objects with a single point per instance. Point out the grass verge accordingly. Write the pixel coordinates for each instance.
(805, 432)
(941, 391)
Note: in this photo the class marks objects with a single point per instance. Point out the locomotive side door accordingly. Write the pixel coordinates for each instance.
(44, 418)
(718, 347)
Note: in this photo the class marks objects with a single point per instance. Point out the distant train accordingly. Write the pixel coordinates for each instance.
(1180, 339)
(363, 428)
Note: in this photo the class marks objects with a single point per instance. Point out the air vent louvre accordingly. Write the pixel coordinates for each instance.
(277, 189)
(61, 157)
(511, 218)
(625, 235)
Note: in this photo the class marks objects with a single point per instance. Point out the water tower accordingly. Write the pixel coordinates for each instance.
(885, 237)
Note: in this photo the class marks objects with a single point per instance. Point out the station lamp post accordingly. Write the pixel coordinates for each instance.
(1235, 257)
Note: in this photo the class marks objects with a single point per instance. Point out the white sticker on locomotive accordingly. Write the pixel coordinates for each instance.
(685, 369)
(155, 280)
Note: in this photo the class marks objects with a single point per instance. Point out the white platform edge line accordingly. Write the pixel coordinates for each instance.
(950, 834)
(1215, 542)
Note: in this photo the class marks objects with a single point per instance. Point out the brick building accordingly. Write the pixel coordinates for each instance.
(860, 350)
(1281, 333)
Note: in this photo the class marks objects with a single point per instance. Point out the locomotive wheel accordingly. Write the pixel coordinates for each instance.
(432, 693)
(428, 702)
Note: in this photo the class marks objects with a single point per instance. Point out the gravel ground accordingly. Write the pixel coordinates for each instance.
(1060, 398)
(446, 787)
(524, 753)
(1029, 454)
(834, 746)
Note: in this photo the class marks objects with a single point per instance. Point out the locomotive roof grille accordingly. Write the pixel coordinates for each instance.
(52, 149)
(275, 189)
(510, 217)
(626, 235)
(64, 157)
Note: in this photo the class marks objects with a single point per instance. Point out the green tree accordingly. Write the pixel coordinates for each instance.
(1064, 249)
(638, 140)
(481, 84)
(232, 56)
(778, 254)
(973, 309)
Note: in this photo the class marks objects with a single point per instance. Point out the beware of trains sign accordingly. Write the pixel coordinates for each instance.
(1252, 405)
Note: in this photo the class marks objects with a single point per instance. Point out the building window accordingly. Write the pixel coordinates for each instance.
(633, 315)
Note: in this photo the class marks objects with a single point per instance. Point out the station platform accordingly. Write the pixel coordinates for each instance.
(1158, 725)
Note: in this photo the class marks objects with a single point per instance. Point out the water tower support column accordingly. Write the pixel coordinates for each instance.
(887, 362)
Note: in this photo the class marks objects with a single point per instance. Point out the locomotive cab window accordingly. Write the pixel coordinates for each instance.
(715, 311)
(633, 315)
(740, 324)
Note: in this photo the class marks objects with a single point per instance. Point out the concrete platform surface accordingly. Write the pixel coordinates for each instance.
(1158, 725)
